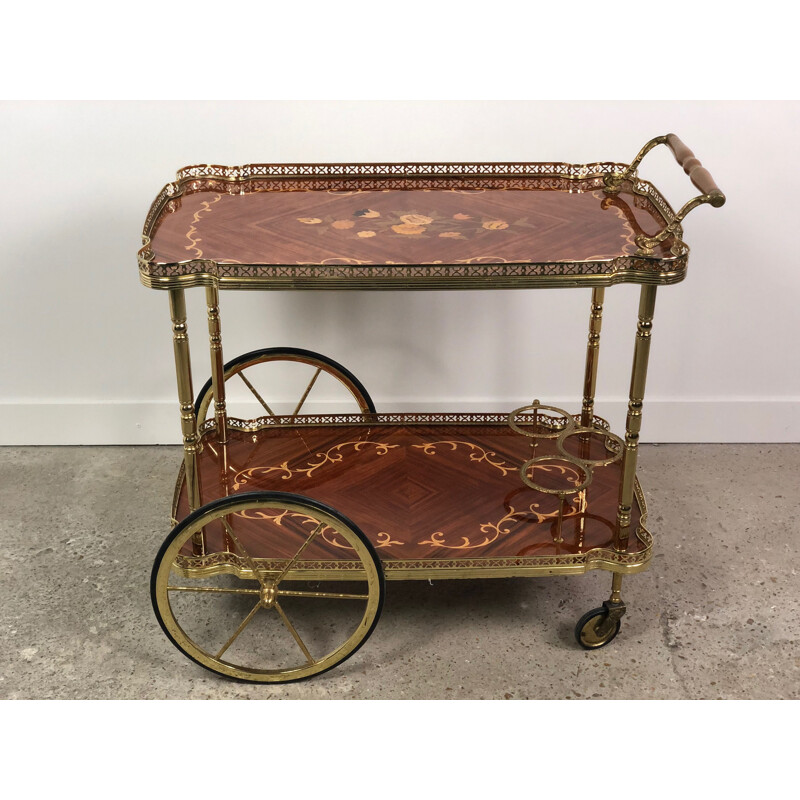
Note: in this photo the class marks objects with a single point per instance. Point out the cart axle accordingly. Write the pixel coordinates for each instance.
(269, 594)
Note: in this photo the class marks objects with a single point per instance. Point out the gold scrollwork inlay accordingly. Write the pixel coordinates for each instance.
(384, 539)
(206, 208)
(331, 456)
(478, 454)
(492, 531)
(327, 533)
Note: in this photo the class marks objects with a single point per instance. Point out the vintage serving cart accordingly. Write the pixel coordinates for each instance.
(288, 519)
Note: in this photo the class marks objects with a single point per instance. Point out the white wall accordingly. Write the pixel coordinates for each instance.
(87, 353)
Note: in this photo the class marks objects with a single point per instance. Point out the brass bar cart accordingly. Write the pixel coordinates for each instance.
(297, 499)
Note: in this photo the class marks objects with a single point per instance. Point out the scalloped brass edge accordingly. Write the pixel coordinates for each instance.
(405, 283)
(391, 418)
(208, 269)
(505, 567)
(392, 170)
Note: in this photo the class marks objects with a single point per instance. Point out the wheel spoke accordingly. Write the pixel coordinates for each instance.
(211, 589)
(328, 595)
(308, 389)
(294, 633)
(297, 555)
(241, 627)
(257, 395)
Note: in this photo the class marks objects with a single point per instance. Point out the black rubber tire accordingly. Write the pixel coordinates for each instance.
(584, 621)
(294, 354)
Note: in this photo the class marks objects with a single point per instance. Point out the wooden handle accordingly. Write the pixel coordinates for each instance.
(697, 173)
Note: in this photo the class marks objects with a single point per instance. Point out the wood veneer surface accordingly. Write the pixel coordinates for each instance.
(403, 227)
(421, 491)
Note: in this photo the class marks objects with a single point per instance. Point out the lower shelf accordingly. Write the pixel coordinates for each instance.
(438, 495)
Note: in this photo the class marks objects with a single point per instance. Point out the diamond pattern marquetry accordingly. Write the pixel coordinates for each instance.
(421, 490)
(391, 226)
(399, 227)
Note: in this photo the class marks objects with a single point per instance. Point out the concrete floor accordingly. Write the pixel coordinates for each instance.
(716, 615)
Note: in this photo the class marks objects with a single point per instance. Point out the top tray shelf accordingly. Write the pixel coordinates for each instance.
(409, 226)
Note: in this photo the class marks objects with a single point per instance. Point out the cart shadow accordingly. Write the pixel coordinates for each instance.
(420, 617)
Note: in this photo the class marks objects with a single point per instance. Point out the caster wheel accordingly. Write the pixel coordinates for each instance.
(301, 376)
(591, 633)
(267, 587)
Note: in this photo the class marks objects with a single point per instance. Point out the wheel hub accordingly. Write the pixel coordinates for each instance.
(269, 594)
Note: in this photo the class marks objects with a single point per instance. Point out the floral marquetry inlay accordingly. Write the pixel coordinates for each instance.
(397, 226)
(367, 223)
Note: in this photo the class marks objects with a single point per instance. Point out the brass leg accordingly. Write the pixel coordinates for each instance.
(601, 625)
(590, 381)
(183, 369)
(218, 390)
(592, 356)
(217, 363)
(598, 627)
(633, 425)
(614, 607)
(616, 586)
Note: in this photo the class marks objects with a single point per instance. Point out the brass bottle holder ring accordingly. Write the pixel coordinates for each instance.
(613, 444)
(554, 459)
(544, 420)
(561, 432)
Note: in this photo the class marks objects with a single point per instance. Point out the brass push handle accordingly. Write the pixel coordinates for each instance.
(697, 173)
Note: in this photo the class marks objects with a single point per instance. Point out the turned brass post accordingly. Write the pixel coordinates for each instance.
(641, 354)
(217, 363)
(633, 425)
(218, 391)
(616, 587)
(183, 370)
(615, 610)
(592, 356)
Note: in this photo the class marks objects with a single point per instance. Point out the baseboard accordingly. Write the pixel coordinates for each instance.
(669, 420)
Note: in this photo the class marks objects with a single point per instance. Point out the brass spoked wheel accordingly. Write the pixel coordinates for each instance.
(267, 587)
(286, 381)
(595, 629)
